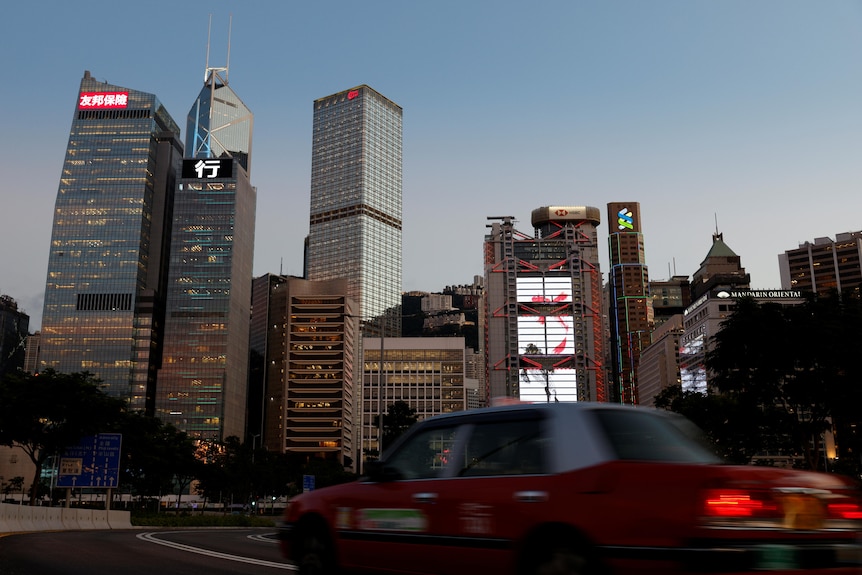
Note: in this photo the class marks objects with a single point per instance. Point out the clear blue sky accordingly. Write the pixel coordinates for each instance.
(744, 113)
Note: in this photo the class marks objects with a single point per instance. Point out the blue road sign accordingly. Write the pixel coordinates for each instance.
(307, 483)
(94, 462)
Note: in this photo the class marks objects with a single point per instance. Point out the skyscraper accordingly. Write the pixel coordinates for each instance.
(824, 265)
(107, 266)
(202, 384)
(630, 309)
(355, 223)
(543, 308)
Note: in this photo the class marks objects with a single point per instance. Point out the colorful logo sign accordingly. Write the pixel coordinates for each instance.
(561, 212)
(625, 219)
(352, 94)
(103, 100)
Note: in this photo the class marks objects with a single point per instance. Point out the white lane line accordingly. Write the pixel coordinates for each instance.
(263, 538)
(152, 538)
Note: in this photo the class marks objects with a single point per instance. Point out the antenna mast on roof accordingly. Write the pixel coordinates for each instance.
(227, 65)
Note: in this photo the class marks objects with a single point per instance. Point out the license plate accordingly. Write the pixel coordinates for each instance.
(776, 558)
(802, 512)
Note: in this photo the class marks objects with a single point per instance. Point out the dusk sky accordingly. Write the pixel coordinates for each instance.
(745, 115)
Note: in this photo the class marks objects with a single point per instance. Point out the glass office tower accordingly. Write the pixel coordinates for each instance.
(107, 265)
(202, 385)
(355, 224)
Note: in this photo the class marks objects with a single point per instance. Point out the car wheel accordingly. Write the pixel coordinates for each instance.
(557, 555)
(563, 561)
(315, 555)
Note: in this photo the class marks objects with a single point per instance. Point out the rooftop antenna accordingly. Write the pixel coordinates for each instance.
(208, 71)
(209, 34)
(227, 64)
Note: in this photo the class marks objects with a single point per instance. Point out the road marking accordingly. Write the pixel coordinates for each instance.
(152, 538)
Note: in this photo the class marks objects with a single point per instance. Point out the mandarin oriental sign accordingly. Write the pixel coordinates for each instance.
(102, 100)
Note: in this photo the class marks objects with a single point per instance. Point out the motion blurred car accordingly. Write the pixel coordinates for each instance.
(537, 489)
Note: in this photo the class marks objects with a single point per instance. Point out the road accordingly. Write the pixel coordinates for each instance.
(143, 552)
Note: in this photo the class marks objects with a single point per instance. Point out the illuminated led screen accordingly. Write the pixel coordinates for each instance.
(561, 386)
(551, 335)
(544, 290)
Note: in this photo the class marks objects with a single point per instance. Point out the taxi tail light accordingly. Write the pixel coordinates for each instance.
(743, 504)
(846, 509)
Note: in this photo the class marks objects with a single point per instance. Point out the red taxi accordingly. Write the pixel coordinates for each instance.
(537, 489)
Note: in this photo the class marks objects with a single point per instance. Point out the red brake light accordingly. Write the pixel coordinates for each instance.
(845, 510)
(739, 503)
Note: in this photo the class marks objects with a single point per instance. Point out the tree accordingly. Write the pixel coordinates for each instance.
(399, 418)
(788, 373)
(47, 413)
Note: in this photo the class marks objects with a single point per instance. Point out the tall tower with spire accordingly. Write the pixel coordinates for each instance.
(203, 379)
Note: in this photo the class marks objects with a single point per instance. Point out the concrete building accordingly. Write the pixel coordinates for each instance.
(309, 344)
(824, 265)
(543, 324)
(427, 373)
(630, 314)
(658, 368)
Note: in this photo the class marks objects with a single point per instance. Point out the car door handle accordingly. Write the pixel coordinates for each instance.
(425, 497)
(531, 496)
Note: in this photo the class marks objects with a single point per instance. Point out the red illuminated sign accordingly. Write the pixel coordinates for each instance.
(102, 100)
(561, 212)
(352, 94)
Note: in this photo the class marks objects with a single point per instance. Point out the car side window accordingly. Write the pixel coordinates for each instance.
(424, 455)
(644, 436)
(505, 448)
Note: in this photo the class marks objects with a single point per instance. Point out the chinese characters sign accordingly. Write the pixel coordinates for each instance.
(95, 462)
(207, 168)
(102, 100)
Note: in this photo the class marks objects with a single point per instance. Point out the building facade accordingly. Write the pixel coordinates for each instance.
(107, 265)
(630, 314)
(202, 384)
(355, 222)
(658, 367)
(543, 330)
(720, 272)
(824, 265)
(14, 326)
(310, 351)
(426, 373)
(669, 298)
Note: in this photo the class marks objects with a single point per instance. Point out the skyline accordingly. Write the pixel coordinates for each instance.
(736, 116)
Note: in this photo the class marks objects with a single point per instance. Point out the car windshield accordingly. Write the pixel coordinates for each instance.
(647, 436)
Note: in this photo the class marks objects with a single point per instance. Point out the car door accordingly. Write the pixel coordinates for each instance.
(390, 522)
(500, 487)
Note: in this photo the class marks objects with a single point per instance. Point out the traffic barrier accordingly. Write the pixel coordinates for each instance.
(25, 518)
(54, 518)
(119, 519)
(17, 518)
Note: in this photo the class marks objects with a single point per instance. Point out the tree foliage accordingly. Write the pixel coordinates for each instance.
(399, 418)
(47, 413)
(779, 377)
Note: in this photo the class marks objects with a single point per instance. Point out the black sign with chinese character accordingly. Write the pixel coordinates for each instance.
(207, 168)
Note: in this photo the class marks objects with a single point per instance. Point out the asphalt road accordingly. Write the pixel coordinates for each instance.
(143, 552)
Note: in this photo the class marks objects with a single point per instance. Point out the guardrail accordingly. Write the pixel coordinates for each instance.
(17, 518)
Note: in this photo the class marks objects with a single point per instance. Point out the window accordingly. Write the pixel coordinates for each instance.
(643, 436)
(425, 455)
(505, 448)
